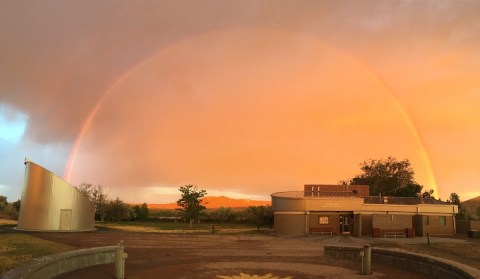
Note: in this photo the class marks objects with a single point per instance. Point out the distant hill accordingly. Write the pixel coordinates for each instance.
(216, 202)
(471, 204)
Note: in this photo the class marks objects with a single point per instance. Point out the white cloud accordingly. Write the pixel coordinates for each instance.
(50, 156)
(12, 193)
(13, 123)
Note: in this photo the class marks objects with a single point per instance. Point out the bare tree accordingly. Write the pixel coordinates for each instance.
(98, 196)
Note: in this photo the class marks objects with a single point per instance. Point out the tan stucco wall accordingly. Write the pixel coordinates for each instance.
(356, 205)
(434, 226)
(286, 204)
(418, 225)
(317, 204)
(333, 204)
(373, 215)
(357, 225)
(391, 221)
(333, 221)
(366, 224)
(293, 224)
(475, 225)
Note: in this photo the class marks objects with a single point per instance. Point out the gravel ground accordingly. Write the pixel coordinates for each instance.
(153, 255)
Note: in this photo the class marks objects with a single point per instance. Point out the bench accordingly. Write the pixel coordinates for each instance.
(393, 234)
(321, 231)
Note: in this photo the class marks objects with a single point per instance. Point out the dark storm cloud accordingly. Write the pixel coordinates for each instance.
(58, 58)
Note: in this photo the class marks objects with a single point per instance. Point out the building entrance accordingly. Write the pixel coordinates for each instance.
(346, 223)
(65, 219)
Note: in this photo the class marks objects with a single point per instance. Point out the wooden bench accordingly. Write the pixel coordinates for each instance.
(321, 231)
(393, 234)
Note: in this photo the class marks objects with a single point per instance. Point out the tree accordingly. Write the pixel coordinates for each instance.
(260, 215)
(427, 194)
(224, 215)
(117, 210)
(455, 199)
(191, 202)
(411, 190)
(9, 209)
(463, 214)
(388, 177)
(96, 194)
(3, 203)
(477, 212)
(141, 212)
(100, 200)
(86, 189)
(16, 208)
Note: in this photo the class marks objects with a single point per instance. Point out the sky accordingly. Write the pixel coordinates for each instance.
(241, 98)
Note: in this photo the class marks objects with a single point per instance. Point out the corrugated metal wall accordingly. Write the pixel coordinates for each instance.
(51, 204)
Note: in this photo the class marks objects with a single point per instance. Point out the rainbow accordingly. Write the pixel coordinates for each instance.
(393, 97)
(88, 122)
(413, 129)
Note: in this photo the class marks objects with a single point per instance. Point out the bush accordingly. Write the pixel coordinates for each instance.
(117, 210)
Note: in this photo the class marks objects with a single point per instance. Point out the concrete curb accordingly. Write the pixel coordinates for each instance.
(433, 266)
(54, 265)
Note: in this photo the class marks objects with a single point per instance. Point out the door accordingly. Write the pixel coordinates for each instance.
(346, 223)
(65, 219)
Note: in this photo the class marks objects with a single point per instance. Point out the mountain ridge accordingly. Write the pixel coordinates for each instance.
(472, 203)
(213, 202)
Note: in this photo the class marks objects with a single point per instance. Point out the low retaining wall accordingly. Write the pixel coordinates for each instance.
(54, 265)
(433, 266)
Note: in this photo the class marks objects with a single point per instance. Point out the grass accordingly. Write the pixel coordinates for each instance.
(17, 248)
(178, 227)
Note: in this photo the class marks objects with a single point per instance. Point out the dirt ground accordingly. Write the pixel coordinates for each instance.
(153, 255)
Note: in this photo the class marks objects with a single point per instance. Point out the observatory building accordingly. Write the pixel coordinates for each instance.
(348, 209)
(51, 204)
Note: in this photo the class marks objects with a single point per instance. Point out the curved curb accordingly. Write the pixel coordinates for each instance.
(433, 266)
(54, 265)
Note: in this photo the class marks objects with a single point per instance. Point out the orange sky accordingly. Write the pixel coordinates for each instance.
(242, 99)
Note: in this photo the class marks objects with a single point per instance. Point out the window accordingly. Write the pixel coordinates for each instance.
(323, 220)
(442, 220)
(426, 220)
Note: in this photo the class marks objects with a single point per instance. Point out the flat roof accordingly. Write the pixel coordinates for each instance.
(308, 194)
(366, 200)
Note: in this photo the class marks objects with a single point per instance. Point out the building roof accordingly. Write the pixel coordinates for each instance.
(401, 200)
(307, 194)
(366, 200)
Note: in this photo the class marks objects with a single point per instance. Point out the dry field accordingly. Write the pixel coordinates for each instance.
(232, 250)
